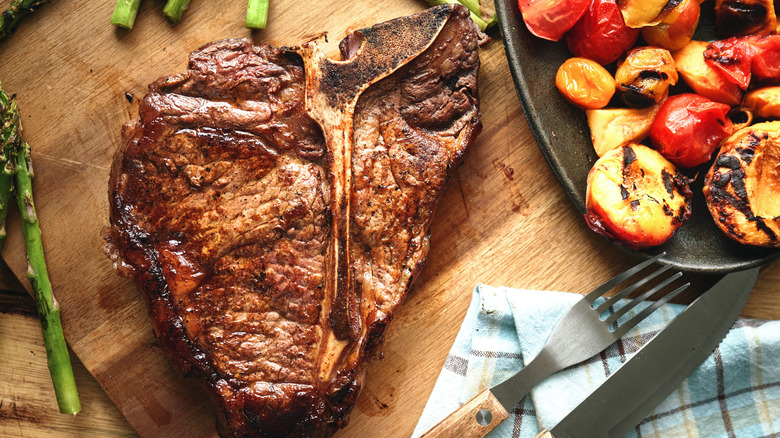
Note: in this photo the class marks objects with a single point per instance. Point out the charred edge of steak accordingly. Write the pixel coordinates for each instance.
(261, 408)
(402, 35)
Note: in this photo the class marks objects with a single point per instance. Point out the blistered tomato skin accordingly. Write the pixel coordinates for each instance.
(636, 197)
(688, 129)
(600, 34)
(551, 19)
(585, 83)
(741, 58)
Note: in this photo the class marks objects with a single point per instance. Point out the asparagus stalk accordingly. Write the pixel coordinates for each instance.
(124, 13)
(256, 14)
(174, 9)
(474, 8)
(8, 137)
(17, 10)
(48, 307)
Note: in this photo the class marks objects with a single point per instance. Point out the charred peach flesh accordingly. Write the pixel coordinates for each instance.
(636, 197)
(742, 188)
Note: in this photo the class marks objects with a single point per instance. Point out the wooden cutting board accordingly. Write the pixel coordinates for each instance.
(504, 219)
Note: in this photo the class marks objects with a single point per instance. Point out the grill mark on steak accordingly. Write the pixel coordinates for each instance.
(276, 224)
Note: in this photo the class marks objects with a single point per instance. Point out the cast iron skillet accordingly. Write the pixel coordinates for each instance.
(563, 136)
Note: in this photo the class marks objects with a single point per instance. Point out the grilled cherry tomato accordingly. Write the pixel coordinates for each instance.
(688, 129)
(636, 197)
(644, 76)
(585, 83)
(742, 57)
(551, 19)
(676, 30)
(766, 60)
(600, 34)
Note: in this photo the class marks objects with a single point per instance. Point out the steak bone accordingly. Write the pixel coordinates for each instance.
(332, 91)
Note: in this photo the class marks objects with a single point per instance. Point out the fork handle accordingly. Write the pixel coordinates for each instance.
(463, 422)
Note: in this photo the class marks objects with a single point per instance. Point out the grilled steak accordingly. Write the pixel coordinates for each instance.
(274, 205)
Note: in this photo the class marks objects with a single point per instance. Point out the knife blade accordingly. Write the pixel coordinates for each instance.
(659, 367)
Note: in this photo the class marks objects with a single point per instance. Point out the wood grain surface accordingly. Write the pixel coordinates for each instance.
(503, 221)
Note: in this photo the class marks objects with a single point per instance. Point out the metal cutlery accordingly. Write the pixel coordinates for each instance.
(659, 367)
(580, 334)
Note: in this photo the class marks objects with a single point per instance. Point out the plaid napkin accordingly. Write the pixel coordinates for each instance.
(735, 393)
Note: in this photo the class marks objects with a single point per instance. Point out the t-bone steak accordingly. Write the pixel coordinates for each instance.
(274, 205)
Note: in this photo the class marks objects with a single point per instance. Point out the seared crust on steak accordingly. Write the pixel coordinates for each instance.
(229, 207)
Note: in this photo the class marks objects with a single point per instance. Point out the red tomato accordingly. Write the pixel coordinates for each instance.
(732, 57)
(688, 129)
(741, 57)
(766, 60)
(601, 34)
(550, 19)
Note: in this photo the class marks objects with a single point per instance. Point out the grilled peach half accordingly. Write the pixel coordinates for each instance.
(742, 188)
(636, 197)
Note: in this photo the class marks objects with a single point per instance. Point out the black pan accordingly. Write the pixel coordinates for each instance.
(563, 136)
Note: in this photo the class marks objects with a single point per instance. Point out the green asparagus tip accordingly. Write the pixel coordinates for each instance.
(473, 7)
(124, 13)
(256, 14)
(174, 9)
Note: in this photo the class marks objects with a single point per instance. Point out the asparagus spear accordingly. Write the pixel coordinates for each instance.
(17, 10)
(48, 307)
(475, 9)
(256, 14)
(8, 137)
(124, 13)
(174, 9)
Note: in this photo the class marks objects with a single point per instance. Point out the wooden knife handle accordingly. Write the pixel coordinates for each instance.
(545, 434)
(463, 422)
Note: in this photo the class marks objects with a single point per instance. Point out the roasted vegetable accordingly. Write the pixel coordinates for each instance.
(676, 30)
(612, 128)
(551, 19)
(481, 14)
(641, 13)
(17, 10)
(745, 17)
(585, 83)
(688, 129)
(764, 102)
(741, 58)
(643, 78)
(174, 9)
(636, 197)
(600, 34)
(742, 189)
(256, 14)
(124, 13)
(703, 78)
(18, 165)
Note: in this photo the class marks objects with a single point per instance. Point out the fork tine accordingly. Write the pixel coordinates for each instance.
(604, 306)
(623, 276)
(620, 331)
(631, 304)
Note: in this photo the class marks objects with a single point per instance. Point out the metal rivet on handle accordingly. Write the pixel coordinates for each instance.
(484, 417)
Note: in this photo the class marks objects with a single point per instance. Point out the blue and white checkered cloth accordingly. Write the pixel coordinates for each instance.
(734, 393)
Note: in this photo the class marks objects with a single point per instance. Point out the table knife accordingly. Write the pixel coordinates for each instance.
(659, 367)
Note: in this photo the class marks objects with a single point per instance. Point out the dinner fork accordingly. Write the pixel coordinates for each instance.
(580, 334)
